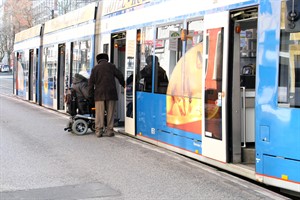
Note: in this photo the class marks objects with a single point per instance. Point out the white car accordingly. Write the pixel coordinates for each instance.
(5, 68)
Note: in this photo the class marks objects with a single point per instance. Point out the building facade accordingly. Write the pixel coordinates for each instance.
(14, 17)
(43, 10)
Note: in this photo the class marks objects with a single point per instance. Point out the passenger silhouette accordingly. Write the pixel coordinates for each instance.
(160, 75)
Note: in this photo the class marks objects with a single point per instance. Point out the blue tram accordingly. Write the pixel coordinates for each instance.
(53, 52)
(232, 95)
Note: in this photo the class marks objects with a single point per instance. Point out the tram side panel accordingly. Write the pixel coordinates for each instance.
(151, 124)
(26, 73)
(277, 112)
(67, 50)
(26, 43)
(175, 118)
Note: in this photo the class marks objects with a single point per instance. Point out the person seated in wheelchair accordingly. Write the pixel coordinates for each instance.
(80, 86)
(77, 100)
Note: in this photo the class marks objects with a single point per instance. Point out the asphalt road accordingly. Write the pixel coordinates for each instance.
(39, 160)
(6, 83)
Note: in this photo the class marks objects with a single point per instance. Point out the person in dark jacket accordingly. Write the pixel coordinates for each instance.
(160, 76)
(80, 85)
(82, 105)
(102, 87)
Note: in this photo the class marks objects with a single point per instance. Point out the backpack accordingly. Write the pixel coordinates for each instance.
(71, 102)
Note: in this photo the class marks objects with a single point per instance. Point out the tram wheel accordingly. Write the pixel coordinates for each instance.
(80, 127)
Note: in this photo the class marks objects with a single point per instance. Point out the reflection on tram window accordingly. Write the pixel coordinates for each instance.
(50, 71)
(21, 74)
(289, 68)
(168, 50)
(161, 79)
(129, 94)
(213, 84)
(146, 50)
(81, 59)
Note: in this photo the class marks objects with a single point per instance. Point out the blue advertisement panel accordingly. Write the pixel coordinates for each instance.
(49, 76)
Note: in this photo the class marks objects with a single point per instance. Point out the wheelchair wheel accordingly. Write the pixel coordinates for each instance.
(93, 126)
(80, 127)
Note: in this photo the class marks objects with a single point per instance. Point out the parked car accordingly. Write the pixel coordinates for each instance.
(5, 68)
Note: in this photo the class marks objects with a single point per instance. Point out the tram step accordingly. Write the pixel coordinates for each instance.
(248, 155)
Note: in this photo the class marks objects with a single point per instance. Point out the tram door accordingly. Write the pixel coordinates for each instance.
(61, 76)
(214, 138)
(31, 72)
(132, 63)
(118, 58)
(36, 76)
(242, 109)
(34, 81)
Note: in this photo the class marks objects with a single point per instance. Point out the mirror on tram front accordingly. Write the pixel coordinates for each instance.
(292, 13)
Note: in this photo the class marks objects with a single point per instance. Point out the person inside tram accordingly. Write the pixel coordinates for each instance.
(146, 75)
(160, 76)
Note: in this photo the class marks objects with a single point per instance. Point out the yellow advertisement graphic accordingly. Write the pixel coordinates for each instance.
(46, 80)
(184, 94)
(20, 77)
(213, 84)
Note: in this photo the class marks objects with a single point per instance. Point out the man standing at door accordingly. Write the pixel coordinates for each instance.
(102, 87)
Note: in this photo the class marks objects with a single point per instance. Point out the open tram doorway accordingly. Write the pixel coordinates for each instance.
(31, 71)
(118, 50)
(61, 76)
(33, 75)
(241, 82)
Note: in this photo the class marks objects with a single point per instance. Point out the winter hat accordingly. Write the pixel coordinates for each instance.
(102, 56)
(84, 74)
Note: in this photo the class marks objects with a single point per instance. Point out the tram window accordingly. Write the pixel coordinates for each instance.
(22, 71)
(81, 59)
(146, 39)
(50, 69)
(195, 33)
(105, 48)
(168, 50)
(289, 67)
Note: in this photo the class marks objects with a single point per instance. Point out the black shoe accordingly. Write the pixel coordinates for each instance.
(99, 134)
(112, 134)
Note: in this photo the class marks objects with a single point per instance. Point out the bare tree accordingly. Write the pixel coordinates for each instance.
(17, 17)
(64, 6)
(3, 39)
(69, 5)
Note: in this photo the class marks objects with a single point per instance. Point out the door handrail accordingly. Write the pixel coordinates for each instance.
(244, 114)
